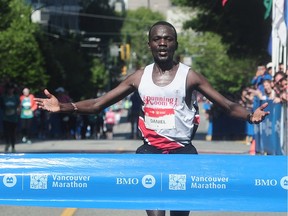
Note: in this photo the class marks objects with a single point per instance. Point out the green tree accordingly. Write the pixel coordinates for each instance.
(135, 31)
(227, 75)
(5, 14)
(67, 65)
(99, 76)
(72, 65)
(20, 57)
(240, 23)
(99, 19)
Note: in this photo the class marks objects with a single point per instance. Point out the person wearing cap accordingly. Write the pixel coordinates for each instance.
(262, 74)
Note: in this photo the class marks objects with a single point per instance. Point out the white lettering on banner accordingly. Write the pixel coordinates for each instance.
(70, 181)
(211, 185)
(265, 182)
(209, 182)
(127, 181)
(70, 178)
(72, 184)
(209, 179)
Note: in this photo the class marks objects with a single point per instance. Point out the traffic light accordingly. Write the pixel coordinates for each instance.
(125, 52)
(122, 52)
(124, 70)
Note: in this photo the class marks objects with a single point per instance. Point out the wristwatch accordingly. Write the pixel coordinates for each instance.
(249, 116)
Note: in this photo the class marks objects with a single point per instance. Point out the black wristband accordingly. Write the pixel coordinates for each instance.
(249, 118)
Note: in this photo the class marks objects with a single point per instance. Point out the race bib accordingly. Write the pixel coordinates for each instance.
(156, 119)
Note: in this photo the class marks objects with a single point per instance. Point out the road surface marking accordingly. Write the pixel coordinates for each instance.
(69, 212)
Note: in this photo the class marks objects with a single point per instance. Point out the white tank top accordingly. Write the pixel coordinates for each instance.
(167, 121)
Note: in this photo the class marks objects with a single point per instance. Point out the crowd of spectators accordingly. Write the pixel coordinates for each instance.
(267, 84)
(15, 100)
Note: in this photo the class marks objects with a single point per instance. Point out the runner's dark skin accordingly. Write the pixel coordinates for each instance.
(162, 44)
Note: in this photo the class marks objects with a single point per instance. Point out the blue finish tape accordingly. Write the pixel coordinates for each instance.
(168, 182)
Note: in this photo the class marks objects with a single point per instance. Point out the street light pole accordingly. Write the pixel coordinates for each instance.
(148, 4)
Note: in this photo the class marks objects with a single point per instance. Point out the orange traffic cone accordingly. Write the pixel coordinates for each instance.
(252, 148)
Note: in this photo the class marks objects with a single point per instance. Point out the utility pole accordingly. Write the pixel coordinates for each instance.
(148, 4)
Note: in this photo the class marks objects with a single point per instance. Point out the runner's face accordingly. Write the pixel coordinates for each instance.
(162, 43)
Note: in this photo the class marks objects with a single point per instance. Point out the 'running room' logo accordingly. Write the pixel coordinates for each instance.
(9, 180)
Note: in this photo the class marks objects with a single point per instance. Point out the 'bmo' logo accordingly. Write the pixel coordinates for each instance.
(266, 182)
(148, 181)
(284, 182)
(127, 181)
(9, 180)
(272, 182)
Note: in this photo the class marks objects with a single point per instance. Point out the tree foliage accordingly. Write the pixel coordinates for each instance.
(99, 76)
(67, 65)
(5, 14)
(105, 25)
(20, 57)
(240, 23)
(210, 58)
(135, 31)
(73, 66)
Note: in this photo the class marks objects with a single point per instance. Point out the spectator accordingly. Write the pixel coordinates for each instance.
(28, 106)
(99, 125)
(246, 101)
(261, 74)
(9, 104)
(133, 114)
(269, 93)
(280, 85)
(207, 107)
(67, 120)
(110, 119)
